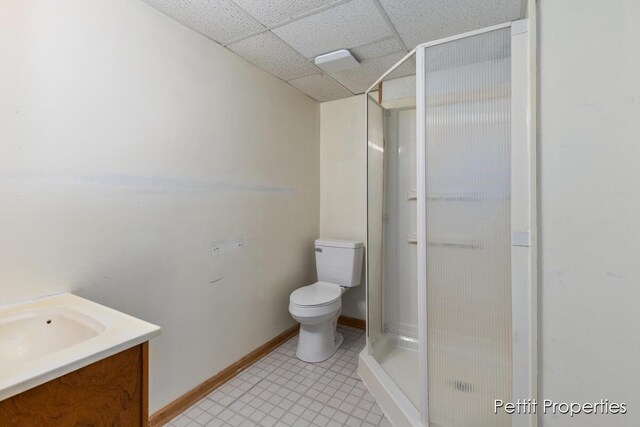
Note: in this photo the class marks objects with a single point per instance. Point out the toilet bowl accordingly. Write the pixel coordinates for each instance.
(317, 307)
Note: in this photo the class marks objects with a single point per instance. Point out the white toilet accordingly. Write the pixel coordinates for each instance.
(317, 307)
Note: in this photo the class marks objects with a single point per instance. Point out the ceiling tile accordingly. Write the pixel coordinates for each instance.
(419, 21)
(350, 24)
(220, 20)
(377, 49)
(273, 12)
(358, 80)
(320, 87)
(271, 54)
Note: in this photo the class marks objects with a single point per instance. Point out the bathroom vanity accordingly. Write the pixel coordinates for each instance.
(65, 360)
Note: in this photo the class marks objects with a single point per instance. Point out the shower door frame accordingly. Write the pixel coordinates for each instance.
(523, 210)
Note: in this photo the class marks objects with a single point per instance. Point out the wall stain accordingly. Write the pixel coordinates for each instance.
(147, 184)
(159, 183)
(554, 277)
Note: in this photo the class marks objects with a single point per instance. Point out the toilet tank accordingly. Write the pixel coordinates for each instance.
(339, 261)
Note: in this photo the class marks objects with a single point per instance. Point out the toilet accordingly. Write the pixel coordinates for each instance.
(317, 307)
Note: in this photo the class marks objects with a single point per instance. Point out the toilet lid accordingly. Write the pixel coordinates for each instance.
(321, 293)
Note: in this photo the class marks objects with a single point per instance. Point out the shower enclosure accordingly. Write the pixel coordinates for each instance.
(450, 172)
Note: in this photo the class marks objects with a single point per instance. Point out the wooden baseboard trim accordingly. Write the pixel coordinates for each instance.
(179, 405)
(353, 322)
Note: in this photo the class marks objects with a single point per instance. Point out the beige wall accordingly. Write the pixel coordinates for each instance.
(130, 145)
(590, 206)
(343, 186)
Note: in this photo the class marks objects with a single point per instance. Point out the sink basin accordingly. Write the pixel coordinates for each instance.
(33, 334)
(50, 337)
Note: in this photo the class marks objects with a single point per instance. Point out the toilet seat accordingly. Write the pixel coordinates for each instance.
(319, 294)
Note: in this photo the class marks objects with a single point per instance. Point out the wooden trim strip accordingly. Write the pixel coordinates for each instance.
(353, 322)
(145, 382)
(182, 403)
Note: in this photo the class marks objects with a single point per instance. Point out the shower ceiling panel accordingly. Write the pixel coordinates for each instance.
(283, 36)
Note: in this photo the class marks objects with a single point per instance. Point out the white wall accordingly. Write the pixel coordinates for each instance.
(590, 206)
(129, 145)
(343, 185)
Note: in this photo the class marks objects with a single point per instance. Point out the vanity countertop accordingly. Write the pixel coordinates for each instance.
(49, 337)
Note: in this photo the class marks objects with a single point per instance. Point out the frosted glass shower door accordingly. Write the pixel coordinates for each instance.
(468, 233)
(392, 217)
(375, 213)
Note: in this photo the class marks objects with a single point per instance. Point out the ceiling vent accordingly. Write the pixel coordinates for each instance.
(337, 61)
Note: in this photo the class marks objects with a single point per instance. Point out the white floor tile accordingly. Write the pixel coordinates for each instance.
(281, 390)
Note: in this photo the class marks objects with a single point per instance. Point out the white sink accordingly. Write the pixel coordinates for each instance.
(50, 337)
(33, 334)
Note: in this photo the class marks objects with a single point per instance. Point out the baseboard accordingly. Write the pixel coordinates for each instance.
(185, 401)
(353, 322)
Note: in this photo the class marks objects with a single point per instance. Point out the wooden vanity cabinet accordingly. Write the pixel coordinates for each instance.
(110, 392)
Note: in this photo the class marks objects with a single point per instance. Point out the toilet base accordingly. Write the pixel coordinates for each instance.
(317, 343)
(338, 339)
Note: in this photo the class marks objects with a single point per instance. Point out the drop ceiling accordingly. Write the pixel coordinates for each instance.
(284, 36)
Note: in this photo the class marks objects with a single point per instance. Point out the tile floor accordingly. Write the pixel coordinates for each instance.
(282, 391)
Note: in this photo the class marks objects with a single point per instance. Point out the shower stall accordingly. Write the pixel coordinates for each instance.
(451, 221)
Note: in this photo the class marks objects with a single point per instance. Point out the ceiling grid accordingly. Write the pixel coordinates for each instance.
(283, 37)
